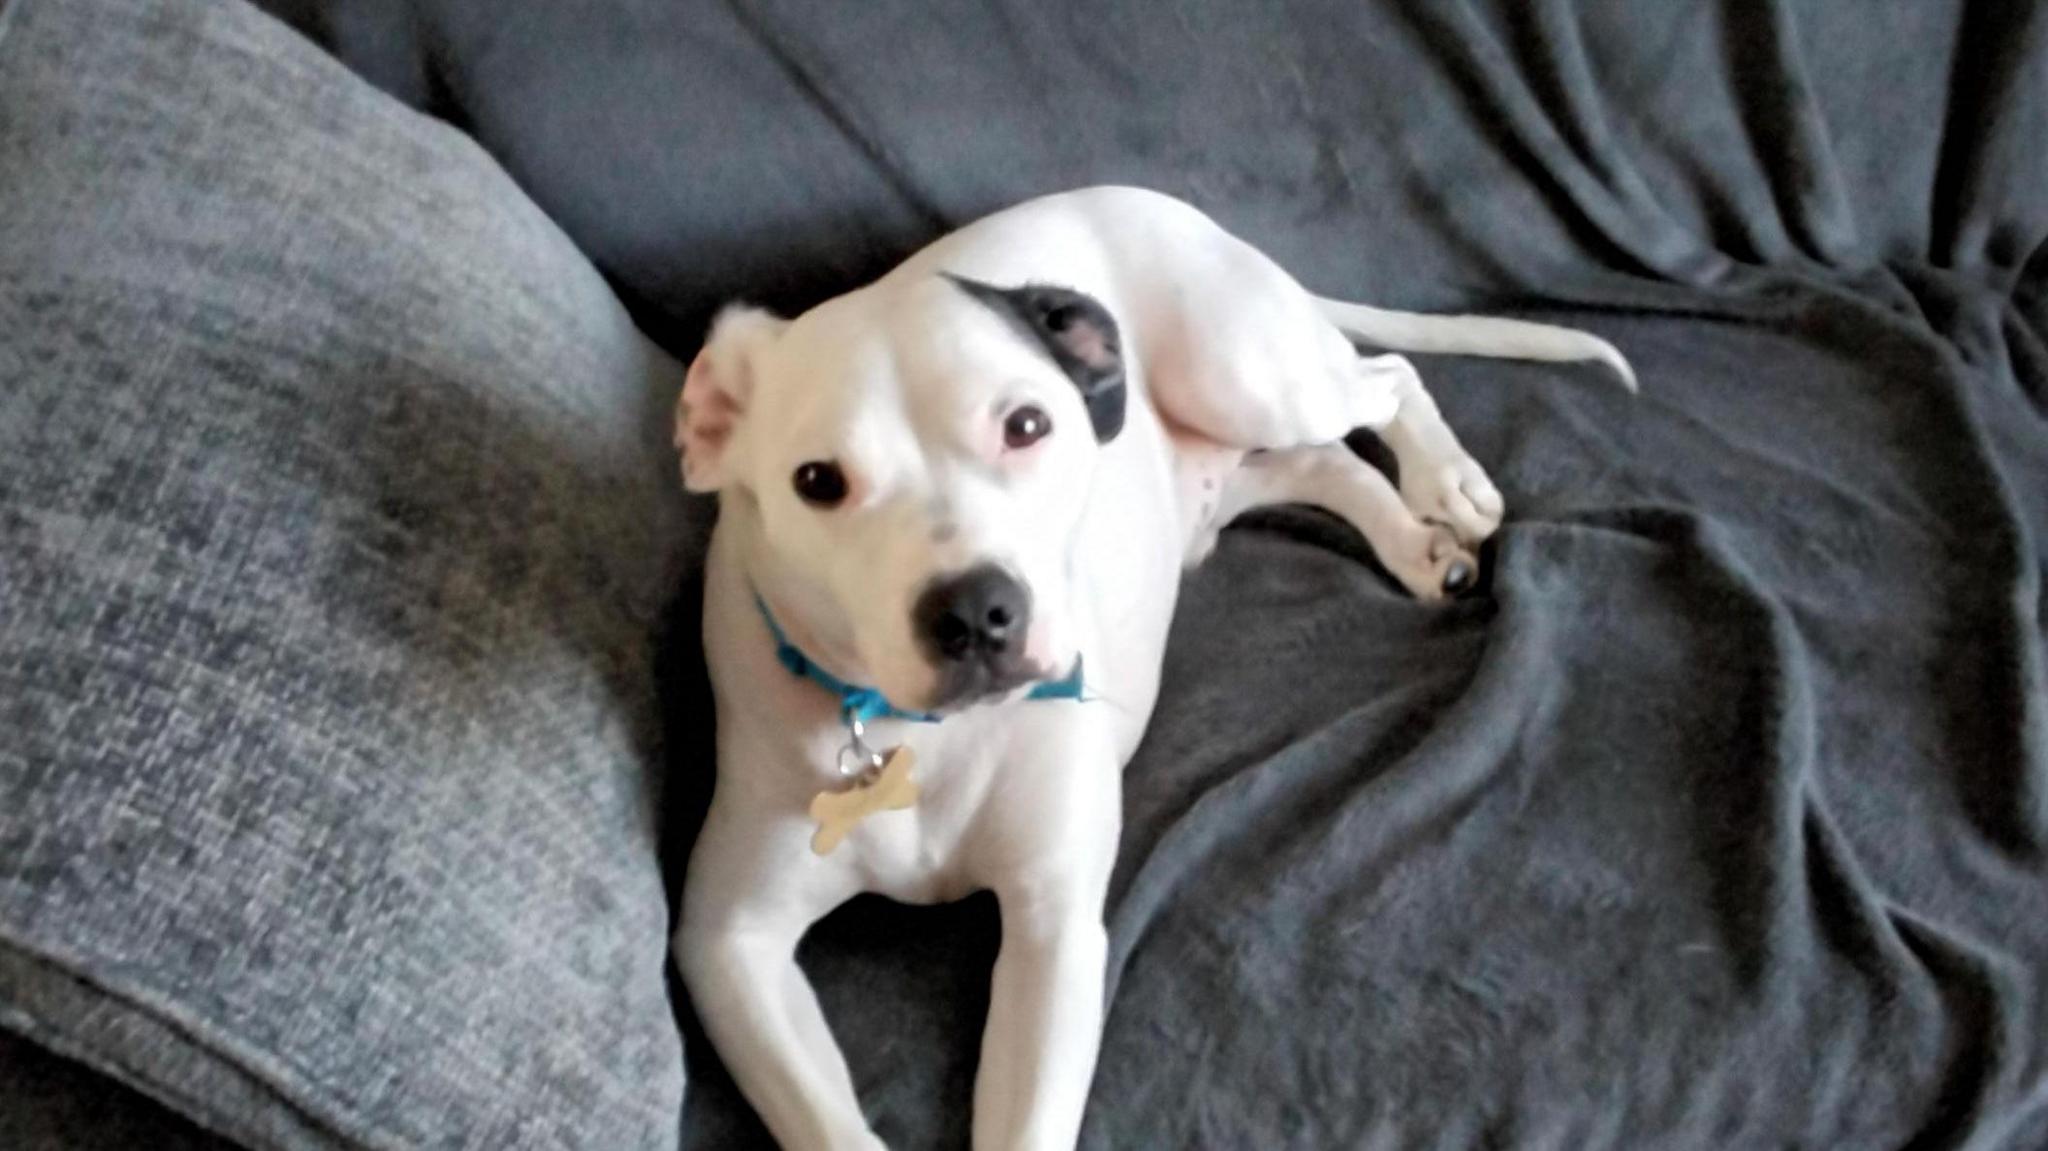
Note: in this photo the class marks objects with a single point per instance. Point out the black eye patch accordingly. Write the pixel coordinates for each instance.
(1077, 332)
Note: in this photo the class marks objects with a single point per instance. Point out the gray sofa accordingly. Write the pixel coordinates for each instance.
(331, 551)
(352, 732)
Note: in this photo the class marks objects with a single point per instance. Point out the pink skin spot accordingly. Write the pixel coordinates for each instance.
(1038, 646)
(705, 412)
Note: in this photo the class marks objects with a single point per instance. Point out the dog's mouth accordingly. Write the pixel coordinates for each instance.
(962, 686)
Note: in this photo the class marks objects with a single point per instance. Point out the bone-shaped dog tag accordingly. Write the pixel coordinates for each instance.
(838, 811)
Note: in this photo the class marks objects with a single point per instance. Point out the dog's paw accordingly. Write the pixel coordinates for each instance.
(1455, 495)
(1436, 567)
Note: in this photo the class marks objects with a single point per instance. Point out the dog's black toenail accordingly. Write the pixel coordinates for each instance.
(1459, 577)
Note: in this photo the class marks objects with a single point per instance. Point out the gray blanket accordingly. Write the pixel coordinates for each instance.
(1719, 817)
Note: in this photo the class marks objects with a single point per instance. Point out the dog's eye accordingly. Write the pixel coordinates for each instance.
(1026, 426)
(820, 483)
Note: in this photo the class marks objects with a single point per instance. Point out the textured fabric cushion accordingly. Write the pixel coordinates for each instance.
(333, 505)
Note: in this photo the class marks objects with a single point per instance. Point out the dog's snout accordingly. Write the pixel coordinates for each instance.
(980, 614)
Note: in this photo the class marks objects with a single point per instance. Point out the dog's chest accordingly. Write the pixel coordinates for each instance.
(926, 853)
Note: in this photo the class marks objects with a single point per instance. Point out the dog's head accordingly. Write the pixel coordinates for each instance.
(916, 457)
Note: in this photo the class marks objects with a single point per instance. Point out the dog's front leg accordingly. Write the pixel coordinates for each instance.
(1044, 1018)
(742, 917)
(764, 1019)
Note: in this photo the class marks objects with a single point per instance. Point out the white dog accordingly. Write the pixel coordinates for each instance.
(955, 506)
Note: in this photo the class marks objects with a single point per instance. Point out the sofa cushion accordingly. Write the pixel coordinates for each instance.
(333, 515)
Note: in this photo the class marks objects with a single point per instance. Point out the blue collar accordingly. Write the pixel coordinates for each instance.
(867, 704)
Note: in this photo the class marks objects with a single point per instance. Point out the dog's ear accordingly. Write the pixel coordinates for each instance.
(716, 393)
(1077, 332)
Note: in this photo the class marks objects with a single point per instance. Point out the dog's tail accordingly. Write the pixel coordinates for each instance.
(1474, 336)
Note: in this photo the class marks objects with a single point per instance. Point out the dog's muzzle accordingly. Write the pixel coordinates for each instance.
(971, 627)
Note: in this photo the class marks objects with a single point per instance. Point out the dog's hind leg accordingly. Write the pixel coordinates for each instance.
(1440, 481)
(1427, 559)
(1236, 352)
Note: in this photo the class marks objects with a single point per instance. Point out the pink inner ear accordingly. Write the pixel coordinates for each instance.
(1090, 344)
(705, 414)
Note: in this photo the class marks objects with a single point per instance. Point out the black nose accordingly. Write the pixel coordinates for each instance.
(980, 613)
